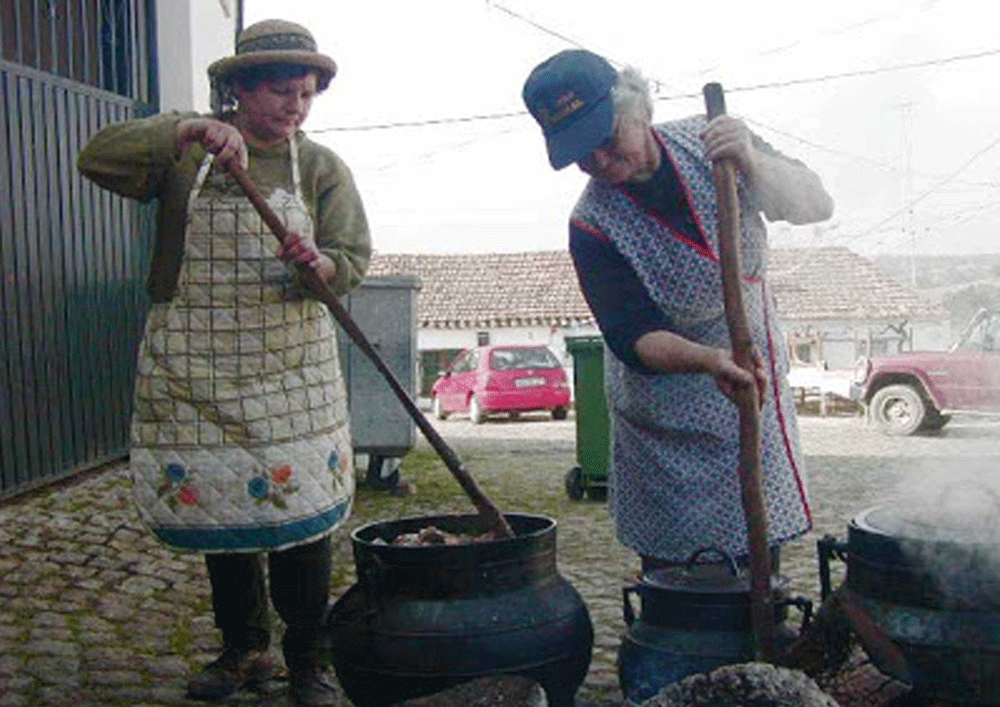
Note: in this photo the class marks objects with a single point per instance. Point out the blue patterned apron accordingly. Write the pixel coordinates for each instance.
(240, 435)
(673, 482)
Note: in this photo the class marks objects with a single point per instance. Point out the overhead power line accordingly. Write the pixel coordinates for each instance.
(540, 27)
(729, 89)
(891, 234)
(859, 157)
(849, 74)
(558, 35)
(421, 123)
(906, 207)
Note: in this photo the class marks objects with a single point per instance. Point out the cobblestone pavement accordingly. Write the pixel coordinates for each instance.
(95, 612)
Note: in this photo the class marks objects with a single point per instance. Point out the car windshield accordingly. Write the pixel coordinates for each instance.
(505, 359)
(982, 335)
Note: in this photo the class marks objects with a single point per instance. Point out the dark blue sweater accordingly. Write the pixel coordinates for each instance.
(618, 299)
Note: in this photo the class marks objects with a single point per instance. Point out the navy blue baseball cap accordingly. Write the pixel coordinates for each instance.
(569, 95)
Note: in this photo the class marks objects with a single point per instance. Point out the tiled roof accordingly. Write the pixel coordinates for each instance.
(836, 283)
(540, 288)
(491, 290)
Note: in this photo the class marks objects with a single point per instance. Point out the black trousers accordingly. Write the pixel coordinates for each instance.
(299, 580)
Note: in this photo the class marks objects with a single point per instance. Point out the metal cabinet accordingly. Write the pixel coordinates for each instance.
(385, 309)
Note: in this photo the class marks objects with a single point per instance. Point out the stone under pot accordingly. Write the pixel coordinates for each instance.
(422, 619)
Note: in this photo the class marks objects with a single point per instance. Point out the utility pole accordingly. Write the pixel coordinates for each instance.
(908, 190)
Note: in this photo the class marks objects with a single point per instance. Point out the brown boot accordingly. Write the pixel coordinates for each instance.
(229, 672)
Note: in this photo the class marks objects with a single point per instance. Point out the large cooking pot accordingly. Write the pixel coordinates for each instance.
(421, 619)
(931, 581)
(693, 618)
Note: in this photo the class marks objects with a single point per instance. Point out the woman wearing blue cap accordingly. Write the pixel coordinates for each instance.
(644, 241)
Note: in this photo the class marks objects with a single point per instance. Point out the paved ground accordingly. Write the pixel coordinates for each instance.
(96, 613)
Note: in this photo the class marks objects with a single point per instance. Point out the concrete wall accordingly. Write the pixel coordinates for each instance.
(191, 34)
(842, 338)
(932, 336)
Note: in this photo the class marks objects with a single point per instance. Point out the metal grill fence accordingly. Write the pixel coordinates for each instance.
(106, 44)
(72, 256)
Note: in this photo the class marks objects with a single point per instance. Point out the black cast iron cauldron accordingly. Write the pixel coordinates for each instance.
(694, 618)
(932, 584)
(421, 619)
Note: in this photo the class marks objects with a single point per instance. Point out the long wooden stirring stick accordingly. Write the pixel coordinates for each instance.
(761, 602)
(491, 516)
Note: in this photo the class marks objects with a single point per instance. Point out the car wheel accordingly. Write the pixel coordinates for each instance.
(574, 483)
(439, 412)
(934, 421)
(559, 413)
(897, 410)
(475, 412)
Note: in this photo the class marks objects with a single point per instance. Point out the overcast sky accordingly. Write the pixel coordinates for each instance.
(911, 156)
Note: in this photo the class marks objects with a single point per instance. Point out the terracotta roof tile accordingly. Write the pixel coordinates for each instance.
(540, 288)
(495, 289)
(836, 283)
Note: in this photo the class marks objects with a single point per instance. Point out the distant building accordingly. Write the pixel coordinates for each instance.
(835, 304)
(471, 299)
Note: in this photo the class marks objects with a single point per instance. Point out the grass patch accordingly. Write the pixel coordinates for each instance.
(500, 477)
(182, 638)
(437, 491)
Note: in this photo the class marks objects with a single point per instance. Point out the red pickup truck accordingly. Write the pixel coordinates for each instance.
(917, 391)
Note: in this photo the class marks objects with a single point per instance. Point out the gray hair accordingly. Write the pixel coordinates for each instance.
(631, 95)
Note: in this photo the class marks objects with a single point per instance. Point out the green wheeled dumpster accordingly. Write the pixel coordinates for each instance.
(590, 477)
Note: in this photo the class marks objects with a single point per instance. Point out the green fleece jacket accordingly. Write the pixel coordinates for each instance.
(138, 159)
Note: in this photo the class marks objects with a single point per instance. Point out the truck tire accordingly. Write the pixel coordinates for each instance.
(934, 421)
(897, 410)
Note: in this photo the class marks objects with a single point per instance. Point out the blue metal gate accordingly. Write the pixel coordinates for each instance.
(72, 257)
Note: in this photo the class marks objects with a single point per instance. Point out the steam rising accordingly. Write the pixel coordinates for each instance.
(949, 525)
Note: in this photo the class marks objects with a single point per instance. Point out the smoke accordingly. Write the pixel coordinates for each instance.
(963, 506)
(949, 528)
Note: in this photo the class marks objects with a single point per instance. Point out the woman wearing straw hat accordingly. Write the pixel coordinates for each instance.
(240, 437)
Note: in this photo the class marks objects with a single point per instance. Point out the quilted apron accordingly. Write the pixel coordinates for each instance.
(240, 435)
(674, 483)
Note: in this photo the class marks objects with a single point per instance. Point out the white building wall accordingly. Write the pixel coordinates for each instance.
(191, 34)
(841, 338)
(931, 336)
(554, 338)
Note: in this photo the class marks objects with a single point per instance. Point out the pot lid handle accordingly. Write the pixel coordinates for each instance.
(730, 562)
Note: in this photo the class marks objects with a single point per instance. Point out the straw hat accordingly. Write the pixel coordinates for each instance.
(273, 42)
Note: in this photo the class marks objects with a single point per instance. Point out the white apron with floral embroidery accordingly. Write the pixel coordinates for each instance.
(240, 434)
(673, 482)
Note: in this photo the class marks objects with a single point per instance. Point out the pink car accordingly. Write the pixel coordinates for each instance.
(508, 379)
